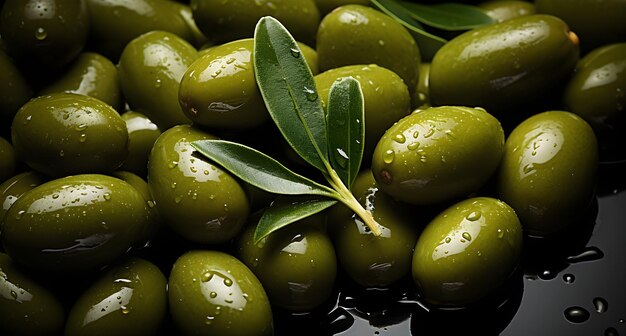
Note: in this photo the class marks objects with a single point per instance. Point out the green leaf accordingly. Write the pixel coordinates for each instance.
(428, 43)
(259, 169)
(346, 128)
(289, 91)
(448, 16)
(286, 210)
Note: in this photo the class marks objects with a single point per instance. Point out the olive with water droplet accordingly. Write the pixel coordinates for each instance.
(212, 306)
(475, 261)
(566, 154)
(416, 173)
(16, 186)
(51, 144)
(129, 299)
(53, 227)
(296, 265)
(142, 134)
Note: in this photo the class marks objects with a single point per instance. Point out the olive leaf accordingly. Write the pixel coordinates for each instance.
(345, 123)
(288, 89)
(258, 169)
(448, 16)
(286, 210)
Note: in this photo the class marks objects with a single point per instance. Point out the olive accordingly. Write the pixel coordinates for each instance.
(44, 33)
(92, 75)
(421, 98)
(438, 154)
(355, 34)
(502, 10)
(63, 134)
(150, 70)
(296, 265)
(16, 186)
(467, 252)
(369, 260)
(326, 6)
(74, 223)
(129, 299)
(385, 96)
(213, 293)
(8, 160)
(14, 89)
(504, 65)
(235, 19)
(142, 134)
(196, 199)
(26, 307)
(542, 155)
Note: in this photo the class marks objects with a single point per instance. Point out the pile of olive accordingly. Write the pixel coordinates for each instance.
(112, 224)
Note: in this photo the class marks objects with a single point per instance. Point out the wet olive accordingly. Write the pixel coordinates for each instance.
(129, 299)
(197, 199)
(502, 10)
(326, 6)
(63, 134)
(212, 292)
(543, 154)
(467, 252)
(142, 134)
(14, 187)
(74, 223)
(438, 154)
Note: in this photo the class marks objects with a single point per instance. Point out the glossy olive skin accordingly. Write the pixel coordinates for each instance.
(150, 70)
(355, 34)
(196, 199)
(90, 74)
(115, 23)
(8, 160)
(75, 223)
(421, 98)
(14, 90)
(326, 6)
(213, 293)
(385, 96)
(235, 19)
(16, 186)
(502, 10)
(544, 154)
(64, 134)
(597, 93)
(296, 265)
(129, 299)
(596, 22)
(503, 65)
(438, 154)
(26, 308)
(369, 260)
(142, 134)
(467, 252)
(41, 34)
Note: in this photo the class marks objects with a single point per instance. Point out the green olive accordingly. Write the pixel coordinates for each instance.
(421, 98)
(502, 10)
(74, 223)
(8, 160)
(16, 186)
(213, 293)
(544, 154)
(129, 299)
(355, 34)
(14, 90)
(467, 252)
(504, 65)
(326, 6)
(150, 70)
(296, 265)
(142, 134)
(438, 154)
(26, 307)
(386, 98)
(198, 200)
(63, 134)
(92, 75)
(369, 260)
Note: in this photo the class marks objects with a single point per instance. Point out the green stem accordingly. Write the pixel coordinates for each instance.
(346, 197)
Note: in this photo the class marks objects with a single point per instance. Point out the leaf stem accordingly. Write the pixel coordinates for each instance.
(346, 197)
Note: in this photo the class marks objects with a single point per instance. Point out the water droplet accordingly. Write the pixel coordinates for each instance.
(14, 295)
(500, 234)
(172, 164)
(448, 240)
(341, 157)
(125, 310)
(80, 127)
(178, 199)
(547, 275)
(246, 297)
(61, 153)
(311, 95)
(601, 305)
(413, 145)
(209, 320)
(213, 295)
(589, 254)
(151, 204)
(55, 196)
(173, 185)
(228, 282)
(389, 156)
(19, 214)
(207, 276)
(569, 278)
(381, 43)
(399, 138)
(83, 137)
(41, 34)
(466, 236)
(106, 196)
(416, 134)
(473, 216)
(430, 133)
(157, 83)
(295, 52)
(423, 159)
(529, 168)
(193, 169)
(576, 314)
(611, 332)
